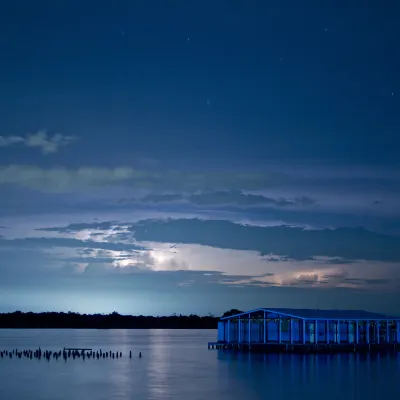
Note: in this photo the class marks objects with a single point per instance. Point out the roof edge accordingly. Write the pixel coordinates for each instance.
(261, 309)
(377, 317)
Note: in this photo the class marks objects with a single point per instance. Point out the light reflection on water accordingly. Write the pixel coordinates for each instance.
(176, 364)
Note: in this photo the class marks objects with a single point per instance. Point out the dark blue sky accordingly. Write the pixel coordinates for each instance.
(273, 114)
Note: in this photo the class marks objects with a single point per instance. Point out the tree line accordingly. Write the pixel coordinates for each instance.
(18, 319)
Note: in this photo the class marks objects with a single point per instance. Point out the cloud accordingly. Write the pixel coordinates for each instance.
(366, 282)
(224, 197)
(241, 199)
(48, 243)
(48, 144)
(275, 243)
(306, 279)
(296, 243)
(65, 268)
(76, 227)
(63, 180)
(258, 282)
(337, 276)
(338, 261)
(31, 264)
(160, 198)
(274, 258)
(90, 260)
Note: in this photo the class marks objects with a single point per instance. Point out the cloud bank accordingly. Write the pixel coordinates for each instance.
(342, 245)
(193, 257)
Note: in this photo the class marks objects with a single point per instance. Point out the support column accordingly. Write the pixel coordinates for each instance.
(357, 332)
(240, 330)
(398, 331)
(265, 329)
(279, 330)
(327, 331)
(367, 332)
(249, 329)
(291, 330)
(377, 329)
(338, 332)
(387, 332)
(315, 331)
(228, 336)
(304, 331)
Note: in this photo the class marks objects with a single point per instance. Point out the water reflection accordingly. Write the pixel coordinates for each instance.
(352, 376)
(157, 366)
(122, 374)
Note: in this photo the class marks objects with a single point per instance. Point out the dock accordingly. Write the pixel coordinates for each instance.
(283, 330)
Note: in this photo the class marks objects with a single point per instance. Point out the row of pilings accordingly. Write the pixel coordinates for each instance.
(65, 354)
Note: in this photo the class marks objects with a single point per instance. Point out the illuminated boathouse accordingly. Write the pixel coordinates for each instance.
(304, 330)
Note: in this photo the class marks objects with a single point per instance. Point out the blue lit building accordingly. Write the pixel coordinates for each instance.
(305, 326)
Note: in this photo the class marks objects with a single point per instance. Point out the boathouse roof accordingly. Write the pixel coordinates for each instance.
(305, 313)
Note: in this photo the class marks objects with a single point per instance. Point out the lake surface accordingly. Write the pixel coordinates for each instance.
(176, 364)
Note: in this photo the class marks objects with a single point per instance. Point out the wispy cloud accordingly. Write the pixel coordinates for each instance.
(76, 227)
(67, 179)
(221, 198)
(48, 144)
(62, 179)
(48, 243)
(361, 281)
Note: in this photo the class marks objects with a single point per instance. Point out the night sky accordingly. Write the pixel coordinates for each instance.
(197, 156)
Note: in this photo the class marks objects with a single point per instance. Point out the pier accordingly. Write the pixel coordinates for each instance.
(308, 331)
(67, 353)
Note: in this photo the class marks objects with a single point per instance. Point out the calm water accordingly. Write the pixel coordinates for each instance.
(177, 365)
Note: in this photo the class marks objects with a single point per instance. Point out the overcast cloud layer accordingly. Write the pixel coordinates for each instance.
(248, 239)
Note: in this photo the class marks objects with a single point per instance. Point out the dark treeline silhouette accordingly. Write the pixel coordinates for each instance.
(19, 319)
(234, 311)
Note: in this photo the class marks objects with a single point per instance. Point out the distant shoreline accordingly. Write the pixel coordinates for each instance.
(54, 320)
